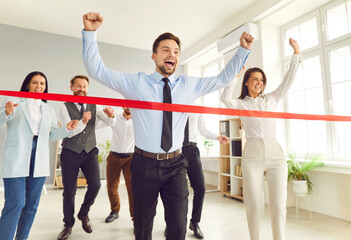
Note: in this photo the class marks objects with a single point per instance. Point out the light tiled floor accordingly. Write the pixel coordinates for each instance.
(223, 219)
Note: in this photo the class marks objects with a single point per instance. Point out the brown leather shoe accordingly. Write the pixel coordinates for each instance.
(66, 231)
(86, 224)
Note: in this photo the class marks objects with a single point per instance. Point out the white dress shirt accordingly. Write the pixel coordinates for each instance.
(102, 120)
(261, 127)
(122, 135)
(35, 111)
(196, 126)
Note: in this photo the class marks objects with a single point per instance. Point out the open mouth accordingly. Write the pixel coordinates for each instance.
(169, 63)
(80, 93)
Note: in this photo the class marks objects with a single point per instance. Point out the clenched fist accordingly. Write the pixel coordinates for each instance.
(9, 107)
(109, 112)
(86, 117)
(72, 125)
(92, 21)
(293, 43)
(246, 40)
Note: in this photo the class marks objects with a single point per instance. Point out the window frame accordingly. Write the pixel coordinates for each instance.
(323, 50)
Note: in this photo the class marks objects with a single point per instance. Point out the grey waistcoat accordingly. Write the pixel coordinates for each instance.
(86, 139)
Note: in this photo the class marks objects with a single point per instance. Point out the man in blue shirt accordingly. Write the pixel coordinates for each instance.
(158, 167)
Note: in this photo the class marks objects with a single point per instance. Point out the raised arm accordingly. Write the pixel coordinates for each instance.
(290, 76)
(227, 96)
(210, 84)
(93, 61)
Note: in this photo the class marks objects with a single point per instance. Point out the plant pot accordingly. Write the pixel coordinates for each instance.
(300, 187)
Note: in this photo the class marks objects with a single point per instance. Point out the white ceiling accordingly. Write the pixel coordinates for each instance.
(131, 23)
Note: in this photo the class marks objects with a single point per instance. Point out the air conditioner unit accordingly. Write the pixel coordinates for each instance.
(232, 40)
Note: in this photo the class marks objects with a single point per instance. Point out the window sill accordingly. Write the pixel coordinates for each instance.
(335, 167)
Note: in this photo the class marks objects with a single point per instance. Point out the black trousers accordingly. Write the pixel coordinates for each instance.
(151, 177)
(197, 180)
(71, 162)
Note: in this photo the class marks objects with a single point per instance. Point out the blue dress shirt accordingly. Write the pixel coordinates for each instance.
(143, 87)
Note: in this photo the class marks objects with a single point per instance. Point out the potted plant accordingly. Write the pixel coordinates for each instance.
(297, 172)
(208, 143)
(104, 150)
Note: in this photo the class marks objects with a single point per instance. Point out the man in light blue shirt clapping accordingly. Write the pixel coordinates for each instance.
(158, 167)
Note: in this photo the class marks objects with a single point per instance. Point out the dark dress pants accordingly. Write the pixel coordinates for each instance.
(167, 177)
(197, 180)
(71, 162)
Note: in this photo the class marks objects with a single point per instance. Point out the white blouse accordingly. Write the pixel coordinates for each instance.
(256, 127)
(122, 135)
(35, 110)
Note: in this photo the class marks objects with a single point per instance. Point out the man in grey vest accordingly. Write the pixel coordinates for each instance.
(79, 152)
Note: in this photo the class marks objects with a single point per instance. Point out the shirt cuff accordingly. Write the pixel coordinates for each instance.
(296, 58)
(243, 51)
(89, 35)
(7, 117)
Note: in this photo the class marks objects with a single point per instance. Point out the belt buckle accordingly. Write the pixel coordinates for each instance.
(157, 157)
(158, 154)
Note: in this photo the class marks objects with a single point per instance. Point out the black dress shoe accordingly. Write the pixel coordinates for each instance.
(86, 224)
(113, 216)
(197, 231)
(66, 231)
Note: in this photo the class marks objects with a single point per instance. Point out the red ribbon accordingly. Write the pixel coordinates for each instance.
(173, 107)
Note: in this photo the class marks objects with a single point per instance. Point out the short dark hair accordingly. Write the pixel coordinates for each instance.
(79, 76)
(26, 81)
(244, 90)
(165, 36)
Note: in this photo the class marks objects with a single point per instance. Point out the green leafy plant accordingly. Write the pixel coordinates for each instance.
(297, 169)
(208, 143)
(104, 150)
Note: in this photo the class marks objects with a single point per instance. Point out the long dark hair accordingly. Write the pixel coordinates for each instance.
(24, 87)
(244, 90)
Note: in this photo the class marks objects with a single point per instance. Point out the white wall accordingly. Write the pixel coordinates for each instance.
(60, 58)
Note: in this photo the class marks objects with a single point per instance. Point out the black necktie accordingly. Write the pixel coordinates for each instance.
(82, 110)
(166, 139)
(186, 134)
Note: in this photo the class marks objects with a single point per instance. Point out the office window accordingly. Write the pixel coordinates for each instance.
(340, 74)
(338, 19)
(306, 33)
(323, 81)
(211, 100)
(306, 96)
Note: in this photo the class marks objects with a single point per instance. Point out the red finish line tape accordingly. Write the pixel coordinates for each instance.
(172, 107)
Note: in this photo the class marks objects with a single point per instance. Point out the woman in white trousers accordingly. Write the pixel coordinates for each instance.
(262, 155)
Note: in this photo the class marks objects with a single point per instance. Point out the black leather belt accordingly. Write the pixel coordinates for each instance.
(158, 156)
(121, 155)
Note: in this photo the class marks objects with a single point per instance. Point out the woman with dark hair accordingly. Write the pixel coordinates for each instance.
(263, 157)
(31, 123)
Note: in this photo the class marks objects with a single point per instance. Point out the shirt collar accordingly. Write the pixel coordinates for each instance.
(158, 77)
(259, 96)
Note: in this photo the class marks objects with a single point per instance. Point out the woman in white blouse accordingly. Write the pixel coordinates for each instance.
(30, 123)
(262, 155)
